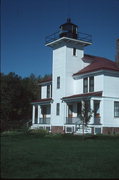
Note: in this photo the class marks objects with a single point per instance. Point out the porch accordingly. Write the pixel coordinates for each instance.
(41, 112)
(74, 111)
(73, 122)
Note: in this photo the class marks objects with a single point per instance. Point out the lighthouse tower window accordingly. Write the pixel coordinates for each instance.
(58, 109)
(74, 52)
(58, 82)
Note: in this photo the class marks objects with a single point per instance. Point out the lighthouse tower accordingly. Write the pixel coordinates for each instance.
(68, 49)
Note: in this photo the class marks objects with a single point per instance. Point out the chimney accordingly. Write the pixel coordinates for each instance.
(117, 52)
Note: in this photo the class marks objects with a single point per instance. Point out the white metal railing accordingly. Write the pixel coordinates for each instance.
(73, 120)
(97, 121)
(44, 120)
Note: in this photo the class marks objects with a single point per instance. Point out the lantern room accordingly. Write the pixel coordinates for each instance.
(68, 29)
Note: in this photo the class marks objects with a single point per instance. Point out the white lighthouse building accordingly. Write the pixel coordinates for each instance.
(77, 77)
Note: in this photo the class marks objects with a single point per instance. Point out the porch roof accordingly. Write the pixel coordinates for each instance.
(78, 97)
(42, 101)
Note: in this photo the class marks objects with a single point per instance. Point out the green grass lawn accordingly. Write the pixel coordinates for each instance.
(30, 156)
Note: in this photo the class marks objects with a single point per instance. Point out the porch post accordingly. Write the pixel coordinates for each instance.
(92, 108)
(39, 113)
(33, 115)
(66, 119)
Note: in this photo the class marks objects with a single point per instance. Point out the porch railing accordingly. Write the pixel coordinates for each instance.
(44, 120)
(73, 120)
(97, 121)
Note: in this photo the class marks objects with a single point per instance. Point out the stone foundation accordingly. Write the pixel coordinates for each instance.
(110, 130)
(57, 129)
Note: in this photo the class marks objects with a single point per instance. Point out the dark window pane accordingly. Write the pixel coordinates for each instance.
(85, 85)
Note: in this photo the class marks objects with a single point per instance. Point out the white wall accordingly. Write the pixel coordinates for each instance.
(78, 86)
(111, 86)
(108, 113)
(64, 65)
(58, 69)
(73, 65)
(98, 83)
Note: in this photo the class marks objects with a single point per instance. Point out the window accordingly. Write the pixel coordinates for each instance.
(116, 109)
(58, 82)
(91, 84)
(57, 109)
(69, 130)
(97, 130)
(88, 87)
(48, 91)
(85, 85)
(74, 51)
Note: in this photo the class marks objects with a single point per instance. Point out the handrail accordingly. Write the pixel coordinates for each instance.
(73, 120)
(80, 36)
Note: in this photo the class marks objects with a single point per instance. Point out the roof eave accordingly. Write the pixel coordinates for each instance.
(96, 72)
(83, 96)
(42, 101)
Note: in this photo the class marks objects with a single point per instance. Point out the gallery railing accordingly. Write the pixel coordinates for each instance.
(79, 36)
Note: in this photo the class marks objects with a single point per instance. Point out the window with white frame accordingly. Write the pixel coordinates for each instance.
(88, 84)
(58, 109)
(116, 109)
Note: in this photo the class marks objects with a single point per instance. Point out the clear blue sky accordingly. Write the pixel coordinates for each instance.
(26, 23)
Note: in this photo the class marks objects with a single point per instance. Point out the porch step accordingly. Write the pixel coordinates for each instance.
(86, 131)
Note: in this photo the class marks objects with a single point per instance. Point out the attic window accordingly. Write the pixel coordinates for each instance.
(74, 51)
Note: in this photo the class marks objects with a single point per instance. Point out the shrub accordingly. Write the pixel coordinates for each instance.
(12, 132)
(40, 132)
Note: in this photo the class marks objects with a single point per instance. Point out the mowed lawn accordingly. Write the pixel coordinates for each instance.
(26, 156)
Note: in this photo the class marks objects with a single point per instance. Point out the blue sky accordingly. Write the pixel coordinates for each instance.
(26, 23)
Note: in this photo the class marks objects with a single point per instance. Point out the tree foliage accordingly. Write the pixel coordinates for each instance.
(86, 114)
(17, 93)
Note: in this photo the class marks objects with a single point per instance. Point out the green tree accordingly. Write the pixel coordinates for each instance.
(10, 91)
(17, 93)
(86, 114)
(16, 96)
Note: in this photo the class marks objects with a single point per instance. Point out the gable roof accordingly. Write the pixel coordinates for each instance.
(97, 63)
